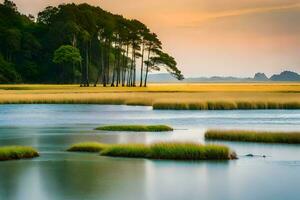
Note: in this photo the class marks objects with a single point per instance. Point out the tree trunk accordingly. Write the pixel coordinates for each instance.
(142, 65)
(131, 67)
(87, 67)
(82, 74)
(108, 63)
(73, 73)
(123, 69)
(104, 69)
(114, 73)
(105, 79)
(73, 64)
(134, 68)
(98, 76)
(119, 53)
(100, 70)
(147, 68)
(125, 65)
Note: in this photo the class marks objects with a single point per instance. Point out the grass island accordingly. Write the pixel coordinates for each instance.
(17, 152)
(136, 128)
(88, 147)
(254, 136)
(163, 151)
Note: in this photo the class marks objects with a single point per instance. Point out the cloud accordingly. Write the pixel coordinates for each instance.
(239, 12)
(252, 11)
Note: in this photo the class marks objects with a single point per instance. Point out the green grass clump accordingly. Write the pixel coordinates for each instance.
(17, 152)
(127, 150)
(88, 147)
(136, 128)
(189, 151)
(254, 136)
(171, 151)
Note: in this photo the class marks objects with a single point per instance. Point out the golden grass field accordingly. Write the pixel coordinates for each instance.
(156, 94)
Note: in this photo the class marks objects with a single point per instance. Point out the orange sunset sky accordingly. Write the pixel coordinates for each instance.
(228, 37)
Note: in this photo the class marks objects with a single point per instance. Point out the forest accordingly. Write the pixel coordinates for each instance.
(78, 44)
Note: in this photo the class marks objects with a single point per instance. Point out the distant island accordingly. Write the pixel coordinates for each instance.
(285, 76)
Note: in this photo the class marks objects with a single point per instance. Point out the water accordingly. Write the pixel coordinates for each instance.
(59, 175)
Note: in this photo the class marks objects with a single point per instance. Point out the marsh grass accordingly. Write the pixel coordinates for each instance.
(174, 106)
(136, 128)
(171, 151)
(138, 102)
(254, 136)
(88, 147)
(225, 105)
(43, 99)
(207, 96)
(127, 150)
(190, 151)
(17, 152)
(185, 87)
(164, 151)
(221, 105)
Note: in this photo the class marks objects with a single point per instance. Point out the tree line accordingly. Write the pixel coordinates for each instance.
(78, 44)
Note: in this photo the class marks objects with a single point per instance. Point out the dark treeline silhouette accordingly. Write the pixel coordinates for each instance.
(78, 44)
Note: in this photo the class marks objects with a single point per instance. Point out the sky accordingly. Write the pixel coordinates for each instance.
(208, 38)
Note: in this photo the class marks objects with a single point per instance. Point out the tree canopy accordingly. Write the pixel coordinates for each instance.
(67, 54)
(84, 41)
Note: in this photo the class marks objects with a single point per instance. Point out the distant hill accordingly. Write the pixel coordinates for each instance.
(286, 76)
(217, 79)
(167, 78)
(258, 77)
(161, 78)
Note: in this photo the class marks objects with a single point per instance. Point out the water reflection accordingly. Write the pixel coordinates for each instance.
(60, 175)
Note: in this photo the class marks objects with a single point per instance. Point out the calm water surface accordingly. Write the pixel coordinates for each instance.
(58, 175)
